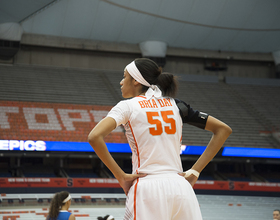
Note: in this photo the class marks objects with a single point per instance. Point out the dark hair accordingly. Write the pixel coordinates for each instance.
(56, 203)
(103, 218)
(151, 72)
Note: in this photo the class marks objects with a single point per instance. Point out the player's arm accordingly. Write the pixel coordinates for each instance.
(72, 217)
(220, 130)
(191, 116)
(96, 140)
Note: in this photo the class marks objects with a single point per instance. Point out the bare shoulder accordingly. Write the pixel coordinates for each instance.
(214, 124)
(72, 217)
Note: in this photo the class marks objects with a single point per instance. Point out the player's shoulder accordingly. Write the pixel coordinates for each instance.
(135, 99)
(127, 103)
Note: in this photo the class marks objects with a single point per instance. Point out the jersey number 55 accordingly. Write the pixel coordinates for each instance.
(156, 118)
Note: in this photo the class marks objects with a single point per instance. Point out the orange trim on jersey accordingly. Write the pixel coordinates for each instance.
(135, 189)
(134, 206)
(141, 96)
(137, 149)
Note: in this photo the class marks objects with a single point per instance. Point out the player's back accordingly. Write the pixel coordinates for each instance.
(154, 132)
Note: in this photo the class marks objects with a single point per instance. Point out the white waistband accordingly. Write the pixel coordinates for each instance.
(160, 176)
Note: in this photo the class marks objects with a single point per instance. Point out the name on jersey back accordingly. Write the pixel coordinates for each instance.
(153, 104)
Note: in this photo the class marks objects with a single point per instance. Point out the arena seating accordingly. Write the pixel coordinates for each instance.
(57, 85)
(213, 207)
(221, 207)
(81, 173)
(249, 110)
(265, 100)
(218, 100)
(5, 173)
(38, 171)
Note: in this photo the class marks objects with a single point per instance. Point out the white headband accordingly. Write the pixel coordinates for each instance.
(110, 217)
(67, 199)
(135, 73)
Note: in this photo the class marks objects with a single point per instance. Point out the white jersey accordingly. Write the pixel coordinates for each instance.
(154, 133)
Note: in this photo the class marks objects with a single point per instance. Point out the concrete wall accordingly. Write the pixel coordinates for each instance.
(78, 53)
(252, 81)
(238, 68)
(69, 58)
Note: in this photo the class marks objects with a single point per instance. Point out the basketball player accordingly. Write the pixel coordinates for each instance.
(157, 187)
(106, 217)
(276, 214)
(59, 207)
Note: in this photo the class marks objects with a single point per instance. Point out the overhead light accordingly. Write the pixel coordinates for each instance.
(276, 57)
(10, 36)
(154, 50)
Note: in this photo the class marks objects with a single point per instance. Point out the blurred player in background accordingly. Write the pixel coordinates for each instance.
(59, 207)
(157, 188)
(106, 217)
(276, 214)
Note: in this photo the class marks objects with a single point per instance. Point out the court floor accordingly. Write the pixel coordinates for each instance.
(213, 207)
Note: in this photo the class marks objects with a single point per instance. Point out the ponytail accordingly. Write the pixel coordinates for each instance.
(168, 84)
(103, 218)
(56, 204)
(152, 73)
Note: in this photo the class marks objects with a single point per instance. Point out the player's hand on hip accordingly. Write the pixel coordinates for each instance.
(190, 176)
(128, 180)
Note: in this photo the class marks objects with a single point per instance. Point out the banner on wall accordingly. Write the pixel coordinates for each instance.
(52, 121)
(34, 126)
(113, 183)
(59, 182)
(30, 145)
